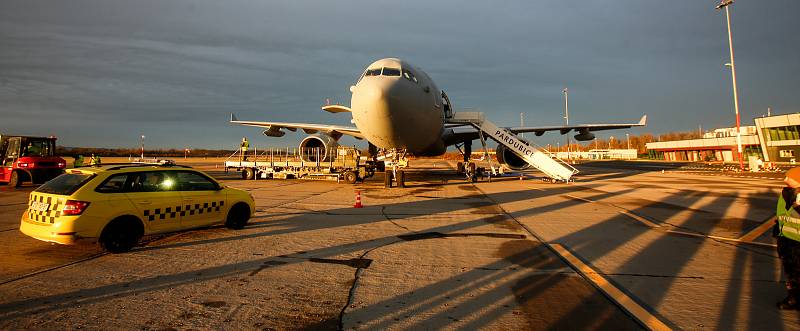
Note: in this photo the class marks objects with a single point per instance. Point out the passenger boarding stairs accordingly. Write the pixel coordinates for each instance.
(554, 168)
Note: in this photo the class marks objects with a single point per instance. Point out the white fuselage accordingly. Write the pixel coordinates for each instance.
(398, 107)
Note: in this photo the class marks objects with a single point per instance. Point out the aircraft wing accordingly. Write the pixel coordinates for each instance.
(582, 128)
(460, 132)
(275, 129)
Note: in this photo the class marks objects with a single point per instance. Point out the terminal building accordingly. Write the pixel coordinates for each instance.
(773, 139)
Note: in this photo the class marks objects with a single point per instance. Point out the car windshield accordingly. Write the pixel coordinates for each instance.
(65, 184)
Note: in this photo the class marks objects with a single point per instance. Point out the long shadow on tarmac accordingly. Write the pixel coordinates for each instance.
(584, 242)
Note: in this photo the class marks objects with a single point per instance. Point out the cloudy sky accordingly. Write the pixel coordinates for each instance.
(101, 72)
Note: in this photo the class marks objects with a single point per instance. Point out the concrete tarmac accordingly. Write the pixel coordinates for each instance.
(621, 248)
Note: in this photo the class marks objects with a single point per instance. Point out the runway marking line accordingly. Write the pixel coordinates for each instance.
(759, 230)
(611, 291)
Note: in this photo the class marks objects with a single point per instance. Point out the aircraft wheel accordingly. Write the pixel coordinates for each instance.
(387, 179)
(248, 173)
(401, 178)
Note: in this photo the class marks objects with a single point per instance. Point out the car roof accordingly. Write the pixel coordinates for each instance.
(125, 167)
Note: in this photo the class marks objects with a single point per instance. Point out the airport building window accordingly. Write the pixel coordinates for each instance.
(786, 153)
(791, 132)
(391, 71)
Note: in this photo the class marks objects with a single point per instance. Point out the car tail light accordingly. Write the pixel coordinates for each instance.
(62, 164)
(74, 207)
(25, 165)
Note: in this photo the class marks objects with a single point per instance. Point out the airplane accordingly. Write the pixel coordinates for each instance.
(400, 111)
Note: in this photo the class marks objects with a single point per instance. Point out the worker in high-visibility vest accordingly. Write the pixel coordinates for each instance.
(245, 146)
(787, 229)
(95, 160)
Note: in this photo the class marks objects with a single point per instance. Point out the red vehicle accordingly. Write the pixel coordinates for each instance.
(29, 159)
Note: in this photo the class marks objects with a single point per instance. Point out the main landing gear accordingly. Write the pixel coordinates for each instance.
(468, 168)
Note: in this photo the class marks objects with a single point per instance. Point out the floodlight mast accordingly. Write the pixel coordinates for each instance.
(725, 4)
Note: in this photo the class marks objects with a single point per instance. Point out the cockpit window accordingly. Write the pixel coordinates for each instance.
(373, 72)
(391, 71)
(409, 75)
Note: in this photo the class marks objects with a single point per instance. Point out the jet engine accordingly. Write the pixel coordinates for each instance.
(584, 136)
(318, 147)
(510, 159)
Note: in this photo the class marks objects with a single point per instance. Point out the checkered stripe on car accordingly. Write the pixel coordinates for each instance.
(47, 216)
(183, 210)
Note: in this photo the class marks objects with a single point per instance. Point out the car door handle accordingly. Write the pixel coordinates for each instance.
(144, 202)
(188, 199)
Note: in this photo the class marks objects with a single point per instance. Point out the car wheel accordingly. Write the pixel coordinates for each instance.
(238, 216)
(120, 235)
(14, 180)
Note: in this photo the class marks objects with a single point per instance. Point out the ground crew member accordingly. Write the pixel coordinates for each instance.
(95, 160)
(245, 146)
(78, 161)
(787, 230)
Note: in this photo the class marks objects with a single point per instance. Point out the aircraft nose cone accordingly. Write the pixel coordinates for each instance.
(372, 101)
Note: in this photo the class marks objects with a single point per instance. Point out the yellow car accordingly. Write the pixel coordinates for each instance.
(116, 205)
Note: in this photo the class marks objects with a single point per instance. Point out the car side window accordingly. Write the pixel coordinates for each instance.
(154, 181)
(114, 184)
(192, 181)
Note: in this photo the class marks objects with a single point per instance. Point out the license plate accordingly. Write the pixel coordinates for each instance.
(40, 206)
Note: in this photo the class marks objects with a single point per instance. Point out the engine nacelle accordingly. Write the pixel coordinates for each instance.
(584, 136)
(318, 147)
(510, 159)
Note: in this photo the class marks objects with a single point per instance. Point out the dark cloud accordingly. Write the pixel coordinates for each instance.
(100, 73)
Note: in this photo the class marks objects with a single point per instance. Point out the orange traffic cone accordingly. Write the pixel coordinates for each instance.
(358, 200)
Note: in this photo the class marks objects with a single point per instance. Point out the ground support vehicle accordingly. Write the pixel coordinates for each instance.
(339, 164)
(30, 159)
(117, 204)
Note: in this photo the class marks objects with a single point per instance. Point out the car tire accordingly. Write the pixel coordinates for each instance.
(121, 235)
(238, 216)
(14, 181)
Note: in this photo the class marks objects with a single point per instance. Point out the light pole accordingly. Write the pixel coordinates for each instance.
(522, 124)
(566, 114)
(610, 142)
(725, 4)
(142, 146)
(628, 137)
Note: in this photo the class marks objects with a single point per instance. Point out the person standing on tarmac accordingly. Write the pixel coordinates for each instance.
(787, 230)
(95, 160)
(245, 145)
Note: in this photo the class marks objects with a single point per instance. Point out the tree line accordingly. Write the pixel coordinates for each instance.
(126, 152)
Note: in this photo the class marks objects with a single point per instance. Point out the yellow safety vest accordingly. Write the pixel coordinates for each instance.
(788, 220)
(245, 145)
